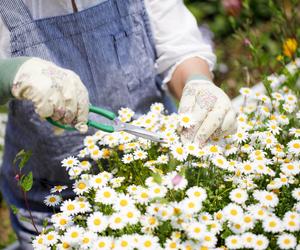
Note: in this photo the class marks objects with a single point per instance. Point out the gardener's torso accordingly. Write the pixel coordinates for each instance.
(109, 46)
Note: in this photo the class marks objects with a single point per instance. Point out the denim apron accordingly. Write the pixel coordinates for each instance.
(110, 47)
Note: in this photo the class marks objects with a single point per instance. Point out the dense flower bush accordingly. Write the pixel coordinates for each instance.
(237, 192)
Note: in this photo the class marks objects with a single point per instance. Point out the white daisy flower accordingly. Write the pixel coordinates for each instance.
(74, 172)
(258, 212)
(179, 152)
(197, 193)
(74, 234)
(123, 201)
(296, 193)
(272, 224)
(248, 221)
(84, 206)
(88, 239)
(234, 242)
(294, 147)
(287, 241)
(248, 239)
(291, 221)
(190, 206)
(233, 212)
(81, 186)
(268, 199)
(163, 159)
(172, 244)
(52, 200)
(131, 215)
(149, 221)
(103, 243)
(117, 221)
(85, 165)
(69, 207)
(245, 91)
(98, 181)
(238, 195)
(51, 238)
(142, 195)
(273, 127)
(192, 149)
(58, 189)
(165, 213)
(124, 242)
(214, 226)
(186, 120)
(295, 132)
(247, 148)
(97, 222)
(157, 191)
(291, 168)
(147, 242)
(261, 242)
(61, 221)
(140, 155)
(106, 195)
(157, 108)
(39, 242)
(195, 230)
(70, 162)
(237, 228)
(127, 158)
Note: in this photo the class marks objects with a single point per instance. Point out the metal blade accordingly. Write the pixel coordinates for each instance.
(137, 131)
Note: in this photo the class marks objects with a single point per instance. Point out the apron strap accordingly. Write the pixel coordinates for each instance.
(14, 13)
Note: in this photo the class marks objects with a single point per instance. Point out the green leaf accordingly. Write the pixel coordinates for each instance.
(14, 209)
(226, 233)
(22, 157)
(26, 182)
(157, 178)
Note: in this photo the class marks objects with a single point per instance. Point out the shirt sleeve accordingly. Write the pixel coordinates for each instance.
(176, 36)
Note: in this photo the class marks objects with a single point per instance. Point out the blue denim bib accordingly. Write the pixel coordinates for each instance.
(110, 47)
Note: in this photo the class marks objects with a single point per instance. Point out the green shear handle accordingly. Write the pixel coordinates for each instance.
(108, 114)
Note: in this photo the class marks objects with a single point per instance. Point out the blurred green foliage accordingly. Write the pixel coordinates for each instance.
(248, 36)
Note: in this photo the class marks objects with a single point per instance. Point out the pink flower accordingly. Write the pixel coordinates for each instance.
(232, 7)
(176, 180)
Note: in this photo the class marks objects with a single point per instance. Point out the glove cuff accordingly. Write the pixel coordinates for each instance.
(8, 70)
(197, 78)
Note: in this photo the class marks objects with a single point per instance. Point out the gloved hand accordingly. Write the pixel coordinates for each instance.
(55, 92)
(211, 111)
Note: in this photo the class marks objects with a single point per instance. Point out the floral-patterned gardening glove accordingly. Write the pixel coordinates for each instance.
(55, 92)
(210, 110)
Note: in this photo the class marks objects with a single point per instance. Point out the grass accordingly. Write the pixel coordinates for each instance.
(7, 235)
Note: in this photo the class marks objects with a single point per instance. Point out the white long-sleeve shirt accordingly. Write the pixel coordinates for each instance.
(176, 34)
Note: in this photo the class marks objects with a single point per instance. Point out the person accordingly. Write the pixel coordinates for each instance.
(59, 56)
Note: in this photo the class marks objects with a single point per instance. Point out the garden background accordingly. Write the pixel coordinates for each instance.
(252, 39)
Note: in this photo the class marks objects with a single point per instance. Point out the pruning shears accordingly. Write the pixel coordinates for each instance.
(117, 125)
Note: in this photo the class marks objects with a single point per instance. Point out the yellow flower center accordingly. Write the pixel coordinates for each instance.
(233, 212)
(124, 243)
(52, 199)
(123, 203)
(147, 243)
(97, 222)
(269, 197)
(81, 185)
(70, 207)
(74, 234)
(107, 194)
